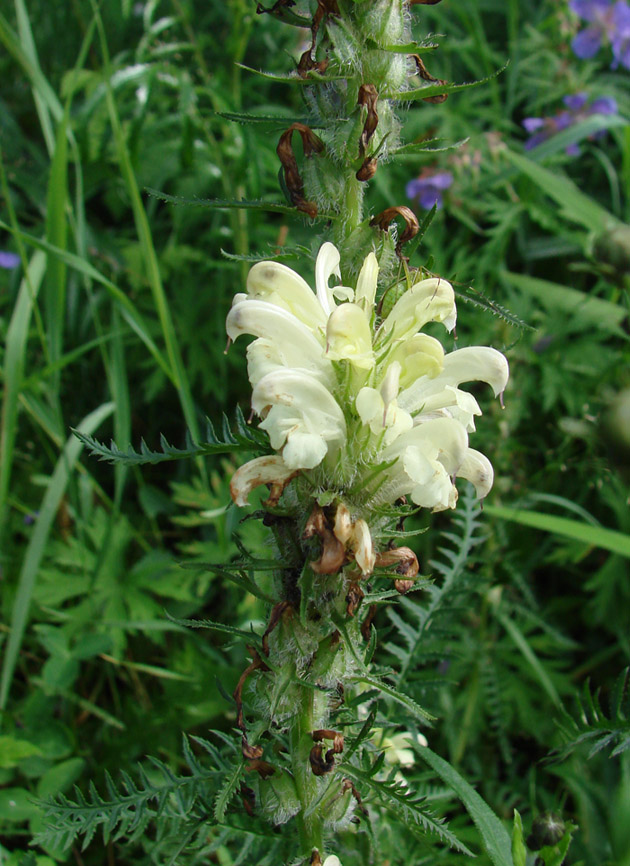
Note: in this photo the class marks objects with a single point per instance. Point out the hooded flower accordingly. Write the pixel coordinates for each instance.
(372, 408)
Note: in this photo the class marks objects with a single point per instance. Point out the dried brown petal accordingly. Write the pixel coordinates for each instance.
(248, 798)
(403, 586)
(403, 558)
(368, 169)
(347, 785)
(328, 734)
(368, 96)
(353, 598)
(250, 753)
(366, 625)
(316, 859)
(276, 615)
(263, 768)
(257, 664)
(333, 553)
(292, 178)
(384, 219)
(320, 764)
(426, 76)
(308, 63)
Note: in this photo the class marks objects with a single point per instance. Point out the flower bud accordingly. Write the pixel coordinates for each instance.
(547, 829)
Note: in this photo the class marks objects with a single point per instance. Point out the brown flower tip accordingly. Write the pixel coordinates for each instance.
(423, 72)
(403, 586)
(248, 798)
(368, 169)
(333, 553)
(320, 764)
(368, 96)
(277, 613)
(403, 558)
(366, 625)
(250, 753)
(328, 734)
(316, 859)
(263, 768)
(292, 178)
(384, 219)
(353, 598)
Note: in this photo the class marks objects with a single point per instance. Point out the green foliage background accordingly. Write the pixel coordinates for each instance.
(114, 325)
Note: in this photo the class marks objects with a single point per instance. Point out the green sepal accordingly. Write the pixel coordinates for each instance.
(519, 852)
(439, 89)
(311, 78)
(407, 48)
(276, 119)
(416, 147)
(554, 855)
(226, 204)
(284, 14)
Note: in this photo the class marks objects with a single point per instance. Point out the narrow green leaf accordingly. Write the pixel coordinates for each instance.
(274, 119)
(603, 315)
(292, 79)
(575, 206)
(522, 644)
(496, 839)
(439, 89)
(240, 204)
(407, 702)
(595, 536)
(215, 626)
(13, 371)
(416, 147)
(35, 550)
(577, 132)
(127, 309)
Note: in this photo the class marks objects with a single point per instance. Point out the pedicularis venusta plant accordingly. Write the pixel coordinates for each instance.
(366, 424)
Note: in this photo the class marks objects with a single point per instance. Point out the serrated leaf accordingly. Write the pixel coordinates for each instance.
(409, 808)
(228, 789)
(215, 626)
(247, 440)
(477, 299)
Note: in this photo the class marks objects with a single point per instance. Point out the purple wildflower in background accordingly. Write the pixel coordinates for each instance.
(542, 128)
(427, 189)
(608, 22)
(8, 260)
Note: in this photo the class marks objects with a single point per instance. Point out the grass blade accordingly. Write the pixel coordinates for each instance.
(37, 544)
(595, 536)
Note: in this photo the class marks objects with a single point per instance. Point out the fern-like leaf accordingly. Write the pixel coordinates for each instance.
(174, 801)
(408, 807)
(593, 727)
(412, 620)
(244, 439)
